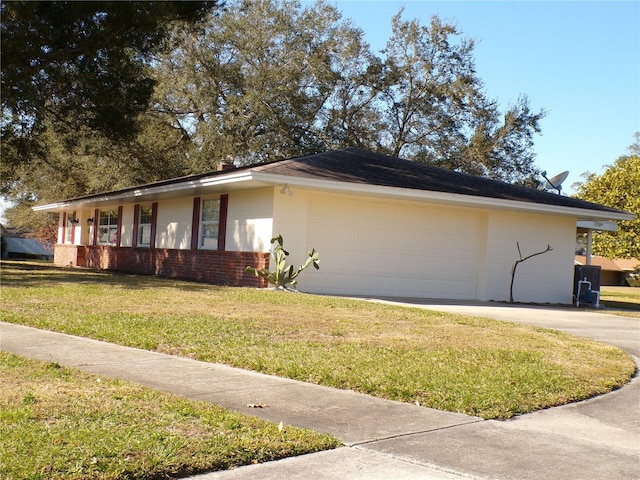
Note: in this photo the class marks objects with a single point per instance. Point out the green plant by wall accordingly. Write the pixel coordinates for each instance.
(283, 276)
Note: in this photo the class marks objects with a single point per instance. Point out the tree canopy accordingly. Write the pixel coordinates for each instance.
(618, 187)
(82, 62)
(76, 86)
(434, 109)
(258, 82)
(269, 79)
(102, 95)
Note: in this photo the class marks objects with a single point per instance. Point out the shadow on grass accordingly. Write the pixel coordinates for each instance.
(621, 305)
(33, 273)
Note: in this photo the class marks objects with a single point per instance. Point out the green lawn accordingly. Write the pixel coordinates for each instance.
(60, 423)
(624, 301)
(475, 366)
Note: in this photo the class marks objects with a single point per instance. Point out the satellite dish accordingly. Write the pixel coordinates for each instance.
(555, 183)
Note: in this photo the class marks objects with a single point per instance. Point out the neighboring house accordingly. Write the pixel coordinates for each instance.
(19, 247)
(612, 272)
(383, 227)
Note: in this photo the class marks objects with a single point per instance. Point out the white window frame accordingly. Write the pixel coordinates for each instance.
(208, 220)
(144, 211)
(109, 228)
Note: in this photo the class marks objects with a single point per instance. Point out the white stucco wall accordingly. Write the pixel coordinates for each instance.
(60, 238)
(173, 227)
(62, 227)
(290, 219)
(250, 220)
(85, 236)
(544, 278)
(372, 246)
(126, 232)
(385, 247)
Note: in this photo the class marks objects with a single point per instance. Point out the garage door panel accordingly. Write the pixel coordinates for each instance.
(402, 249)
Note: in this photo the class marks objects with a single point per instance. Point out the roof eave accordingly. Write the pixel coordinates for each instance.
(250, 179)
(150, 192)
(441, 197)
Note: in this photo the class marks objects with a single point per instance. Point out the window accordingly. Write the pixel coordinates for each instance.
(108, 227)
(144, 226)
(209, 222)
(68, 228)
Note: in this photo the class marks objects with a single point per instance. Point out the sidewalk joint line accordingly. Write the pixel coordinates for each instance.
(410, 434)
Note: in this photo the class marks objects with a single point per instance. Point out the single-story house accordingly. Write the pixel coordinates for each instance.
(612, 272)
(383, 227)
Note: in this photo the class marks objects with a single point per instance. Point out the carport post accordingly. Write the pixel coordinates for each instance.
(589, 226)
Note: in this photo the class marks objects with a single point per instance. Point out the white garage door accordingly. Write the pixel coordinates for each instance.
(377, 247)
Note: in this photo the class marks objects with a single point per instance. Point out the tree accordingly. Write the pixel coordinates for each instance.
(519, 261)
(259, 81)
(269, 79)
(618, 187)
(433, 108)
(82, 62)
(75, 82)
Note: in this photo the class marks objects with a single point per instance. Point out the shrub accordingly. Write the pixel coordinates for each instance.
(283, 276)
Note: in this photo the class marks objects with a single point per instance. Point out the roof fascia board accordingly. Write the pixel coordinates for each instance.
(187, 185)
(603, 226)
(440, 197)
(331, 185)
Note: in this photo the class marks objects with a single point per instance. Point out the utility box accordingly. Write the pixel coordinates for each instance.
(591, 273)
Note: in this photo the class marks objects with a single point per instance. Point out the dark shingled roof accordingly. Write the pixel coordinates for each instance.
(353, 165)
(358, 166)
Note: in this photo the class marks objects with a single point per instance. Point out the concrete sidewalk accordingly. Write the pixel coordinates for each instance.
(596, 439)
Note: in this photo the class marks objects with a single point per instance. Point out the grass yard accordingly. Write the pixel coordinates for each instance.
(470, 365)
(60, 423)
(621, 300)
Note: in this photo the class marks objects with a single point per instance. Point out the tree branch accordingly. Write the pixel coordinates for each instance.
(515, 265)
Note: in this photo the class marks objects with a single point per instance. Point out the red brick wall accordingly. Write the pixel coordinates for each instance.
(207, 266)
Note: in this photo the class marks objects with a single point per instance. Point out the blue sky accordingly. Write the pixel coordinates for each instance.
(579, 60)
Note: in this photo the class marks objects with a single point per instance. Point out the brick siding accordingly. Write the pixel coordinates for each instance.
(69, 255)
(207, 266)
